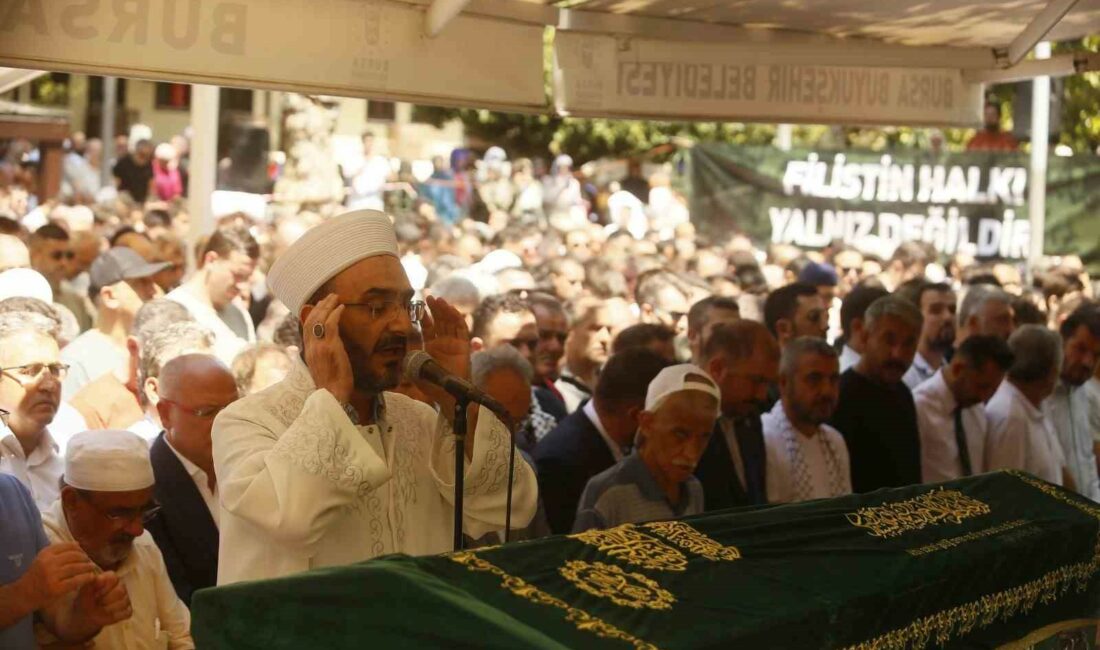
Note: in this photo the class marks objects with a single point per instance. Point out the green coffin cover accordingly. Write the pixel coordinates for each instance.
(997, 559)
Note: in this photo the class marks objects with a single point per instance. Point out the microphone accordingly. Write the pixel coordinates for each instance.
(420, 366)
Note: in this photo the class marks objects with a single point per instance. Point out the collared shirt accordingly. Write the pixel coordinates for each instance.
(627, 493)
(160, 619)
(848, 358)
(802, 467)
(1068, 411)
(1020, 436)
(201, 480)
(39, 470)
(146, 428)
(918, 373)
(589, 409)
(573, 392)
(21, 538)
(939, 449)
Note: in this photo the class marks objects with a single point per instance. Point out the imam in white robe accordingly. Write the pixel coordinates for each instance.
(301, 487)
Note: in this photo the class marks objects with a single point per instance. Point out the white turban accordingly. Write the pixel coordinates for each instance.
(325, 250)
(108, 461)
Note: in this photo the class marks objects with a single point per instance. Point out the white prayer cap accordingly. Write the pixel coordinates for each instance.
(108, 461)
(25, 283)
(676, 379)
(325, 250)
(498, 260)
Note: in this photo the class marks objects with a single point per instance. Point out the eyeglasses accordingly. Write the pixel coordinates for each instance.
(32, 372)
(200, 412)
(58, 255)
(388, 309)
(123, 516)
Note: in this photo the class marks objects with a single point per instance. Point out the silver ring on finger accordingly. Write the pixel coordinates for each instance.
(319, 330)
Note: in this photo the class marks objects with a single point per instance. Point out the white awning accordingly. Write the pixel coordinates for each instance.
(14, 77)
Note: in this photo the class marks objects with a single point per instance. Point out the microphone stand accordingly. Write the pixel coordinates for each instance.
(461, 404)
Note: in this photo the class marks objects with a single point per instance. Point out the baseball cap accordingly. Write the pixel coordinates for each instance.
(679, 378)
(118, 264)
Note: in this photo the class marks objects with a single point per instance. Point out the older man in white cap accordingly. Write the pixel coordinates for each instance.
(327, 467)
(656, 481)
(106, 496)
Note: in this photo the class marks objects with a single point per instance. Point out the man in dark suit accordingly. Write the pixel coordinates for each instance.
(193, 389)
(595, 436)
(743, 359)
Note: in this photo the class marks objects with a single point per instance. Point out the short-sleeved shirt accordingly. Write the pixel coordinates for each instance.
(21, 538)
(627, 493)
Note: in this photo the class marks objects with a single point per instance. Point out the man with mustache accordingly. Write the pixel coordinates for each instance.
(655, 481)
(743, 359)
(328, 467)
(951, 409)
(106, 498)
(876, 414)
(807, 459)
(1069, 407)
(937, 306)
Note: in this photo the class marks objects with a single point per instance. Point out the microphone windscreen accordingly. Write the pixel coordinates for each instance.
(413, 363)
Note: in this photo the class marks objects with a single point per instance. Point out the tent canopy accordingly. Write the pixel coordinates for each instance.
(794, 60)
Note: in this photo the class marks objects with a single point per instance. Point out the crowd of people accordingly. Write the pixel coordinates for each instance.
(647, 373)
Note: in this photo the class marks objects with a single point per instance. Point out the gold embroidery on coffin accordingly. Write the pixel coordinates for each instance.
(936, 507)
(520, 587)
(693, 541)
(622, 588)
(631, 545)
(957, 621)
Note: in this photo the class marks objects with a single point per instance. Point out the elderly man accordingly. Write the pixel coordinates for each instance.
(112, 401)
(596, 436)
(852, 310)
(1020, 436)
(985, 310)
(796, 310)
(743, 359)
(177, 339)
(106, 498)
(656, 481)
(54, 583)
(30, 391)
(1069, 408)
(553, 328)
(937, 306)
(121, 281)
(807, 459)
(876, 414)
(193, 388)
(703, 317)
(226, 263)
(288, 505)
(951, 409)
(596, 323)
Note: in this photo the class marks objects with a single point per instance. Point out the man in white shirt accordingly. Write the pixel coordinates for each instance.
(1020, 436)
(328, 467)
(30, 392)
(851, 321)
(121, 281)
(193, 389)
(106, 497)
(807, 459)
(367, 180)
(951, 409)
(1069, 408)
(937, 305)
(211, 294)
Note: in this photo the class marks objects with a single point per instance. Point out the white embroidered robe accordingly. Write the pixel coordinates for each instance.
(300, 486)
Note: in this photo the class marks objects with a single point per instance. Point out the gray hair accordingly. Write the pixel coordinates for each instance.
(796, 349)
(976, 297)
(895, 306)
(1037, 353)
(486, 362)
(157, 314)
(169, 342)
(16, 322)
(456, 290)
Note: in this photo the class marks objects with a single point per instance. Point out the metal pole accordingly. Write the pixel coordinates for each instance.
(783, 137)
(204, 162)
(107, 131)
(1037, 187)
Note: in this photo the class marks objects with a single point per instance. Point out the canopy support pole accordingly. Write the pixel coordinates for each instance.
(204, 162)
(1040, 137)
(440, 13)
(1035, 31)
(107, 131)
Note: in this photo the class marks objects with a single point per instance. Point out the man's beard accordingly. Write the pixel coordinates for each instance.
(115, 552)
(815, 413)
(364, 379)
(944, 339)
